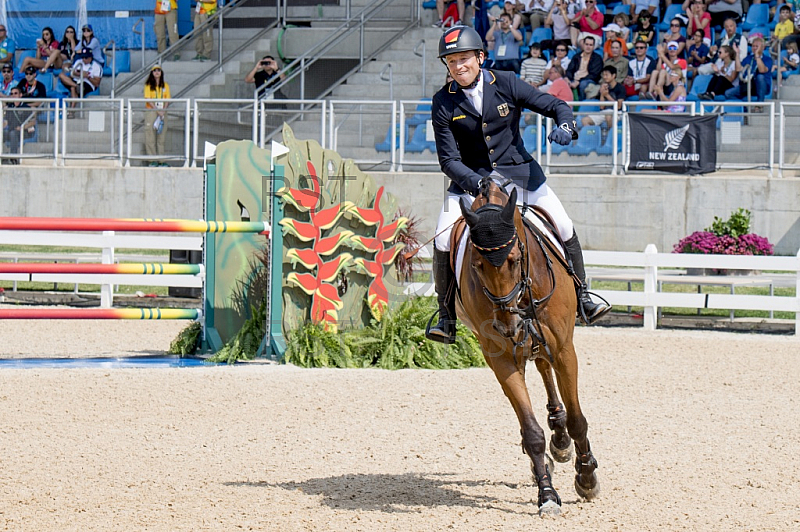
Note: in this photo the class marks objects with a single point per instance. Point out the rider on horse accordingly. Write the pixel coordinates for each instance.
(476, 123)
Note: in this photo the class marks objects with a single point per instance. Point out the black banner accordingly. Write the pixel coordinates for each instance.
(679, 144)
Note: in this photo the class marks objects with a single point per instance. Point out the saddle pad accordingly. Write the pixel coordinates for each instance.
(530, 216)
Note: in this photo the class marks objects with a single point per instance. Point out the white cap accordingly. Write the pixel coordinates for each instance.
(613, 27)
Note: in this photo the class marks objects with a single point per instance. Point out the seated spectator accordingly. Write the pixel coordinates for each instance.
(640, 7)
(723, 9)
(622, 20)
(614, 34)
(610, 91)
(724, 74)
(557, 85)
(645, 32)
(63, 57)
(783, 29)
(532, 70)
(697, 53)
(730, 37)
(7, 47)
(584, 69)
(791, 61)
(510, 8)
(534, 12)
(30, 87)
(668, 61)
(44, 46)
(561, 16)
(640, 67)
(265, 74)
(19, 122)
(560, 58)
(674, 35)
(756, 70)
(590, 22)
(86, 71)
(8, 82)
(440, 9)
(618, 61)
(505, 41)
(699, 19)
(674, 90)
(88, 40)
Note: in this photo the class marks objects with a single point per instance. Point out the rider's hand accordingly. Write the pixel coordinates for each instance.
(561, 134)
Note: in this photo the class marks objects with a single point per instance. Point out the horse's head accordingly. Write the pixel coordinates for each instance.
(499, 261)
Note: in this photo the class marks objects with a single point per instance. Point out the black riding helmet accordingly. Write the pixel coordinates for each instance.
(459, 39)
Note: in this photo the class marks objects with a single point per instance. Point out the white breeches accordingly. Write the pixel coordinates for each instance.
(543, 196)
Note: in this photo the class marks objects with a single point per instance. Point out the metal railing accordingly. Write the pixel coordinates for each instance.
(135, 115)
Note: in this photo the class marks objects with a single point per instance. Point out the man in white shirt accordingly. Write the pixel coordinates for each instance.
(92, 75)
(534, 12)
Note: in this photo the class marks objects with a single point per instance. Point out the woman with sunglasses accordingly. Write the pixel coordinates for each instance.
(674, 35)
(88, 40)
(44, 47)
(155, 118)
(63, 56)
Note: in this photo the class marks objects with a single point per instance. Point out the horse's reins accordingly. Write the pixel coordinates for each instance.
(414, 251)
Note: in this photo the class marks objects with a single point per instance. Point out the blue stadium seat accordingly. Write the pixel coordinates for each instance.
(530, 139)
(386, 145)
(418, 144)
(540, 34)
(763, 29)
(429, 4)
(621, 8)
(47, 80)
(757, 15)
(608, 146)
(422, 115)
(588, 141)
(669, 14)
(699, 86)
(123, 63)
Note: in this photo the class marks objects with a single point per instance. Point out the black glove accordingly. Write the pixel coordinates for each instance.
(562, 134)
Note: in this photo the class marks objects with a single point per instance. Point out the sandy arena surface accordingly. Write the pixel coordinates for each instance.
(692, 430)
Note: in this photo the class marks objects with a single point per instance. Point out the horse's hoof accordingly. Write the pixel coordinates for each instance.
(549, 509)
(561, 455)
(588, 493)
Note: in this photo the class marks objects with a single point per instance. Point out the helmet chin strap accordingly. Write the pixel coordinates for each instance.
(473, 84)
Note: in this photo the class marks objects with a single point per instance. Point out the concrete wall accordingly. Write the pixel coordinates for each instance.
(611, 213)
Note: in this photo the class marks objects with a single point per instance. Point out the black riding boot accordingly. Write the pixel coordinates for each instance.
(443, 279)
(589, 311)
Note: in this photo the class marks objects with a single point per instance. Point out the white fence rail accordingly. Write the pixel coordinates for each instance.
(107, 243)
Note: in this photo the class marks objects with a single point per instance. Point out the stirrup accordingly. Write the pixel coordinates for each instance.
(591, 320)
(444, 337)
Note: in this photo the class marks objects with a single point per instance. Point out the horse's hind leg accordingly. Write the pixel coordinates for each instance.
(560, 442)
(512, 380)
(586, 483)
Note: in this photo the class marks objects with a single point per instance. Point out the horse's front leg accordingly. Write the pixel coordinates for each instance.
(586, 483)
(560, 442)
(512, 380)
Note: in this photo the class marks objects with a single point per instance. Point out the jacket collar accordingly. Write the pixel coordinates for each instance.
(461, 99)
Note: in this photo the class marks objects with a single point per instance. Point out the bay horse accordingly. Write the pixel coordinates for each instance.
(520, 302)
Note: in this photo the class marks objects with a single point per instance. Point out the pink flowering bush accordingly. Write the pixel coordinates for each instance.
(731, 237)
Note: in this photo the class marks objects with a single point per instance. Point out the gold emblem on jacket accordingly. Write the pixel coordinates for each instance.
(503, 109)
(459, 117)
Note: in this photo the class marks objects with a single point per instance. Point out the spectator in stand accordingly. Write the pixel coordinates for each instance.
(92, 75)
(610, 91)
(791, 60)
(614, 34)
(18, 122)
(644, 31)
(7, 47)
(561, 16)
(155, 118)
(757, 67)
(440, 9)
(63, 56)
(622, 20)
(505, 41)
(8, 82)
(668, 61)
(30, 87)
(730, 37)
(724, 74)
(618, 61)
(88, 40)
(699, 19)
(723, 9)
(44, 47)
(783, 29)
(510, 9)
(640, 68)
(558, 86)
(560, 58)
(534, 12)
(590, 22)
(674, 35)
(166, 22)
(674, 90)
(584, 69)
(204, 42)
(265, 74)
(638, 7)
(697, 52)
(532, 69)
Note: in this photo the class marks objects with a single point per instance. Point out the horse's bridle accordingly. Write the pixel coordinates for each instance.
(529, 324)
